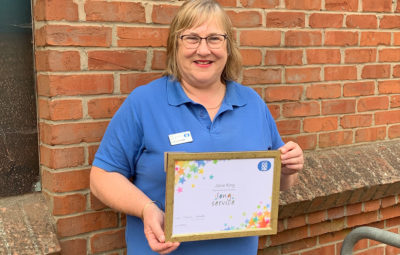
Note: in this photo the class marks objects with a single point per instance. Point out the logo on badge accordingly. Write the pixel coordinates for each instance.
(264, 165)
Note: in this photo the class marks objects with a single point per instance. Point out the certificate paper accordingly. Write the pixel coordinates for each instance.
(221, 195)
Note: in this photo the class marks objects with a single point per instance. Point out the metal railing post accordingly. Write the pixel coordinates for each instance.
(376, 234)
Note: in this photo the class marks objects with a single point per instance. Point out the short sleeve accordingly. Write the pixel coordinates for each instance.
(122, 142)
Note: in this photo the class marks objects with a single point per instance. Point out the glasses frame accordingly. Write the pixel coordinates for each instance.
(225, 36)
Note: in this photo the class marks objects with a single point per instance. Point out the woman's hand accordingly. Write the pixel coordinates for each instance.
(292, 161)
(153, 221)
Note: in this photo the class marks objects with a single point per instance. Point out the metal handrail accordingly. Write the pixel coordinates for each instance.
(376, 234)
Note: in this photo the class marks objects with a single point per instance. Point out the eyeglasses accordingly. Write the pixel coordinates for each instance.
(214, 41)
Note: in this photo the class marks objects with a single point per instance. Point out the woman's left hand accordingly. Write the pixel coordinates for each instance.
(292, 161)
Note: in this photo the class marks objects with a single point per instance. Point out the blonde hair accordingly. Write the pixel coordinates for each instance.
(191, 14)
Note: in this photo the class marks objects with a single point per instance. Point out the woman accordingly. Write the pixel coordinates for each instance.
(197, 94)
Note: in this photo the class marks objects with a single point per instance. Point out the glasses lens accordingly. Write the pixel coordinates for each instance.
(193, 41)
(215, 41)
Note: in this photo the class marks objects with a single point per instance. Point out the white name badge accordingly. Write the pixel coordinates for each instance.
(182, 137)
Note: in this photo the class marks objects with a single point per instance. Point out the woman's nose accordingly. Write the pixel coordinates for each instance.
(203, 48)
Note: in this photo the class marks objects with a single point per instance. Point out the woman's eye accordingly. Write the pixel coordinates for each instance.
(192, 39)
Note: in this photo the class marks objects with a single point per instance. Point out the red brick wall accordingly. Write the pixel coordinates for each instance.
(328, 70)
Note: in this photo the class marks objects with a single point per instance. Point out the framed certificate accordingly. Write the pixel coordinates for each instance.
(221, 194)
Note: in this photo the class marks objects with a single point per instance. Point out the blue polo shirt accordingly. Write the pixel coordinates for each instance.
(137, 137)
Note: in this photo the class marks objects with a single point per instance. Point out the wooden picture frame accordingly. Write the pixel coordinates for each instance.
(221, 194)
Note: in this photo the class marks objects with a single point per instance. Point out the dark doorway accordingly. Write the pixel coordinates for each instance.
(19, 163)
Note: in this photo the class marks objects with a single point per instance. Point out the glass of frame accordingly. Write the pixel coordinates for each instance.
(221, 194)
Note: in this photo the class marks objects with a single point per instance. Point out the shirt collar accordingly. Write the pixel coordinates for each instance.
(176, 95)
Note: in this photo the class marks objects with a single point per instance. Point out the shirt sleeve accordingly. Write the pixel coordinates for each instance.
(122, 142)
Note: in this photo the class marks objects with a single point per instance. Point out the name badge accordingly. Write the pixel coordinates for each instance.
(182, 137)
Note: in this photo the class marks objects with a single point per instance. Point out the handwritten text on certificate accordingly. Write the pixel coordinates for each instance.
(222, 195)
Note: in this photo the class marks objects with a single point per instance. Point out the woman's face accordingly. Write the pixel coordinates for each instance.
(203, 66)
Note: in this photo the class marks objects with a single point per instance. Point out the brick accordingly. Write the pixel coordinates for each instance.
(333, 237)
(395, 101)
(390, 212)
(85, 223)
(389, 22)
(245, 18)
(64, 35)
(295, 222)
(320, 91)
(56, 158)
(396, 71)
(333, 73)
(72, 133)
(323, 56)
(69, 204)
(335, 139)
(336, 212)
(164, 13)
(373, 6)
(373, 103)
(306, 142)
(375, 71)
(107, 241)
(298, 109)
(285, 19)
(60, 109)
(356, 120)
(388, 201)
(301, 38)
(339, 106)
(251, 57)
(289, 236)
(283, 93)
(115, 12)
(341, 5)
(284, 57)
(288, 127)
(341, 38)
(359, 89)
(362, 219)
(260, 38)
(73, 85)
(396, 39)
(159, 61)
(391, 250)
(306, 243)
(389, 87)
(275, 110)
(53, 60)
(117, 60)
(370, 206)
(362, 21)
(130, 81)
(65, 181)
(55, 10)
(92, 149)
(353, 209)
(104, 107)
(389, 55)
(323, 20)
(320, 124)
(262, 76)
(327, 227)
(142, 36)
(326, 250)
(303, 74)
(375, 38)
(265, 4)
(360, 55)
(303, 5)
(227, 3)
(370, 134)
(73, 246)
(316, 217)
(95, 203)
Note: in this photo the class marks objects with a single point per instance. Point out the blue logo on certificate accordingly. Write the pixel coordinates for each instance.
(264, 165)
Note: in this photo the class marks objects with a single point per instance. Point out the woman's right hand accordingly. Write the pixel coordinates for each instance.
(153, 221)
